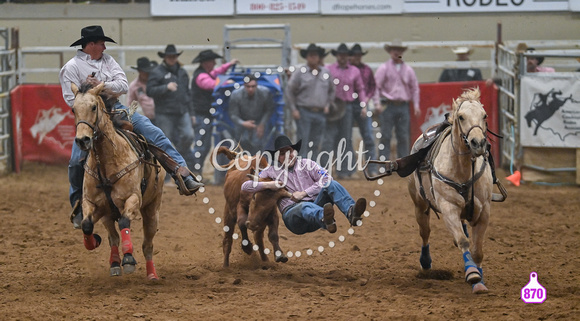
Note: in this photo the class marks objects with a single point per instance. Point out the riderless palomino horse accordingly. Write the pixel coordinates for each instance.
(121, 181)
(453, 177)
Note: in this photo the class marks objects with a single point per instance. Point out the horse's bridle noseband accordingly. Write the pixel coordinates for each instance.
(94, 126)
(464, 136)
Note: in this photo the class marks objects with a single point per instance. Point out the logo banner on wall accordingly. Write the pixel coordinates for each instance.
(352, 7)
(192, 7)
(550, 110)
(432, 6)
(277, 7)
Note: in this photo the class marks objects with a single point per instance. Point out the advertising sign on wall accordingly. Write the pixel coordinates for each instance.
(192, 7)
(550, 111)
(431, 6)
(352, 7)
(277, 7)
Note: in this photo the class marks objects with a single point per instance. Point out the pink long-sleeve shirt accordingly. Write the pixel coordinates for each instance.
(396, 83)
(306, 175)
(348, 81)
(207, 81)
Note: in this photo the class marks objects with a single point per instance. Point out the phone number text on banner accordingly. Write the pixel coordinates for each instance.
(277, 7)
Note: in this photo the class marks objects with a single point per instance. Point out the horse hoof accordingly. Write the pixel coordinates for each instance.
(282, 259)
(472, 275)
(248, 249)
(479, 288)
(116, 271)
(128, 268)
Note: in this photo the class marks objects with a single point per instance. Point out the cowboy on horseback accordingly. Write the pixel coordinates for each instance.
(90, 65)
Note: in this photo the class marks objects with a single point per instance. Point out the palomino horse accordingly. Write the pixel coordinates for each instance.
(118, 184)
(455, 179)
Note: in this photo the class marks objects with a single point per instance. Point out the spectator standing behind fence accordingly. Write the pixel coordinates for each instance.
(250, 109)
(168, 86)
(362, 118)
(397, 86)
(138, 87)
(533, 63)
(349, 88)
(202, 85)
(461, 74)
(309, 93)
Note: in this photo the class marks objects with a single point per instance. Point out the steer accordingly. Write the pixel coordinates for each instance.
(253, 211)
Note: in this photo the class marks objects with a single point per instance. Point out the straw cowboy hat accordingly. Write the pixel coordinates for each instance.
(395, 44)
(91, 33)
(312, 47)
(342, 49)
(357, 50)
(462, 51)
(283, 142)
(206, 55)
(143, 64)
(169, 51)
(337, 110)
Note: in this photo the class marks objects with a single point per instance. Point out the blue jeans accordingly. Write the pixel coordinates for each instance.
(203, 131)
(399, 118)
(335, 132)
(310, 128)
(305, 217)
(141, 125)
(179, 130)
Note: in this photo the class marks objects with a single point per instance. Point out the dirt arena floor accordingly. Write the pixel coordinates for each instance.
(373, 274)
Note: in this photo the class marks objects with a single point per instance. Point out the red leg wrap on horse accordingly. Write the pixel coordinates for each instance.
(114, 255)
(151, 273)
(90, 242)
(126, 244)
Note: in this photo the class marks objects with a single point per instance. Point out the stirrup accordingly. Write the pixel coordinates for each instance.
(389, 167)
(499, 197)
(178, 177)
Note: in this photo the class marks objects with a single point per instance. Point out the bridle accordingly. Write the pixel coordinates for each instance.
(464, 135)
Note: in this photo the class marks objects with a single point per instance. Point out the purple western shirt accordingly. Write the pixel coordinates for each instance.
(349, 82)
(368, 78)
(306, 175)
(396, 84)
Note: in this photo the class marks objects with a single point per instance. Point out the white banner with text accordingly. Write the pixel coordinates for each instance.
(277, 7)
(176, 8)
(473, 6)
(353, 7)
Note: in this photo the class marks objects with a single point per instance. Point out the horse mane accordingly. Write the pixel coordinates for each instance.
(109, 99)
(471, 94)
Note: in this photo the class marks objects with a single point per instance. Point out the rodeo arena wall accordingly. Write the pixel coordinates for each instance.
(537, 115)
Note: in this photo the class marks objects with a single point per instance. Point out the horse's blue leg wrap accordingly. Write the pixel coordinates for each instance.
(425, 258)
(468, 260)
(472, 273)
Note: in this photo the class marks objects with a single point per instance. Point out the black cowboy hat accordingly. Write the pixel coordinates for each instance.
(312, 47)
(342, 49)
(206, 55)
(143, 64)
(282, 142)
(323, 53)
(169, 50)
(357, 49)
(91, 33)
(540, 59)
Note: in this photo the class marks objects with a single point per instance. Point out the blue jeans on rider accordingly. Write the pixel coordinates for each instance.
(202, 144)
(141, 125)
(399, 118)
(305, 217)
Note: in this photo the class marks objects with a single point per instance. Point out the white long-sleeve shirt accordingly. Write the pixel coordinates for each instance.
(81, 66)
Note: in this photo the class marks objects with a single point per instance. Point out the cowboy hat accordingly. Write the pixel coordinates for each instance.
(206, 55)
(143, 64)
(91, 33)
(357, 50)
(395, 44)
(462, 51)
(169, 51)
(283, 142)
(342, 49)
(337, 110)
(323, 53)
(312, 47)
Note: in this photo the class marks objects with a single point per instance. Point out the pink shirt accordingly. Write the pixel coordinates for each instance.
(306, 175)
(347, 81)
(206, 81)
(396, 83)
(137, 92)
(545, 69)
